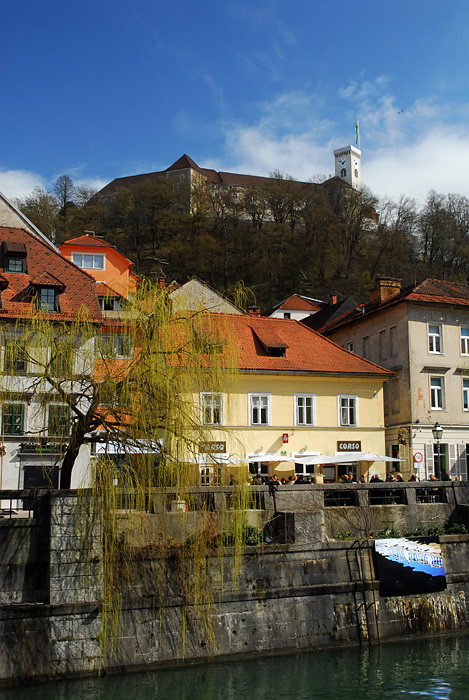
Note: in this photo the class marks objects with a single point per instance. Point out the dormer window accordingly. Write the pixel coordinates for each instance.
(14, 257)
(44, 291)
(271, 343)
(47, 299)
(15, 264)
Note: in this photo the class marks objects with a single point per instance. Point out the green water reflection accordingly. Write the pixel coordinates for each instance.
(431, 668)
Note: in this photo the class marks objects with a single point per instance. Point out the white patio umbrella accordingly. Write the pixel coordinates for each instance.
(369, 457)
(282, 464)
(268, 458)
(321, 459)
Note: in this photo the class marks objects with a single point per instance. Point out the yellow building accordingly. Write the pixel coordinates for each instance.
(296, 394)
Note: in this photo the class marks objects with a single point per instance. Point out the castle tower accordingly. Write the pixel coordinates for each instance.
(347, 165)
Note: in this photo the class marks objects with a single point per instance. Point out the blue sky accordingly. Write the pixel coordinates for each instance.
(99, 89)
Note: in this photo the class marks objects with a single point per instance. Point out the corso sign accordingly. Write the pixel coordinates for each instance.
(349, 446)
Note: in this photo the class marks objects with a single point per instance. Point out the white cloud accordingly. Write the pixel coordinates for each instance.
(406, 149)
(258, 153)
(19, 183)
(16, 184)
(436, 161)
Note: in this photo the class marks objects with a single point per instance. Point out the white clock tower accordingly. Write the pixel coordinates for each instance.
(347, 165)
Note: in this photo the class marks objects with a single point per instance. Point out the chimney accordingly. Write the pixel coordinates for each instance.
(386, 288)
(254, 310)
(332, 299)
(161, 282)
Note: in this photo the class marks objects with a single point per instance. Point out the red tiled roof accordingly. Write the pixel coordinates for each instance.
(214, 177)
(86, 239)
(45, 279)
(430, 291)
(45, 266)
(183, 163)
(104, 291)
(441, 290)
(299, 303)
(269, 338)
(306, 351)
(435, 299)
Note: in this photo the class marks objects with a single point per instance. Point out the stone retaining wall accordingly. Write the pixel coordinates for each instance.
(284, 596)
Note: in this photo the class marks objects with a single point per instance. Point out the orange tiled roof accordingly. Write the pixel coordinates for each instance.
(47, 268)
(103, 290)
(306, 351)
(299, 303)
(86, 239)
(440, 291)
(430, 291)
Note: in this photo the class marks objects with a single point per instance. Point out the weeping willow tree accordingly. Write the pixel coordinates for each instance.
(132, 390)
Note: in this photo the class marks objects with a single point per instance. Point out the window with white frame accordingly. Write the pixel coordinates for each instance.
(465, 394)
(436, 393)
(211, 406)
(434, 338)
(89, 261)
(305, 409)
(350, 347)
(464, 341)
(348, 410)
(259, 409)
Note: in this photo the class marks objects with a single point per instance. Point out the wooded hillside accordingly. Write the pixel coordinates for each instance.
(287, 237)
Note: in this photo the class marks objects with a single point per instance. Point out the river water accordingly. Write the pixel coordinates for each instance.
(418, 669)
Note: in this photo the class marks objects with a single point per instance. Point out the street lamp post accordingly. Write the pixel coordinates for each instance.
(437, 431)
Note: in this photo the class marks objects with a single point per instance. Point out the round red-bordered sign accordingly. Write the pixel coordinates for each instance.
(418, 457)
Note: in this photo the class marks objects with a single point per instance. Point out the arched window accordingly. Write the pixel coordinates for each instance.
(343, 172)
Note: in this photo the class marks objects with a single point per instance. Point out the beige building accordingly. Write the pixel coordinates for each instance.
(295, 394)
(421, 334)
